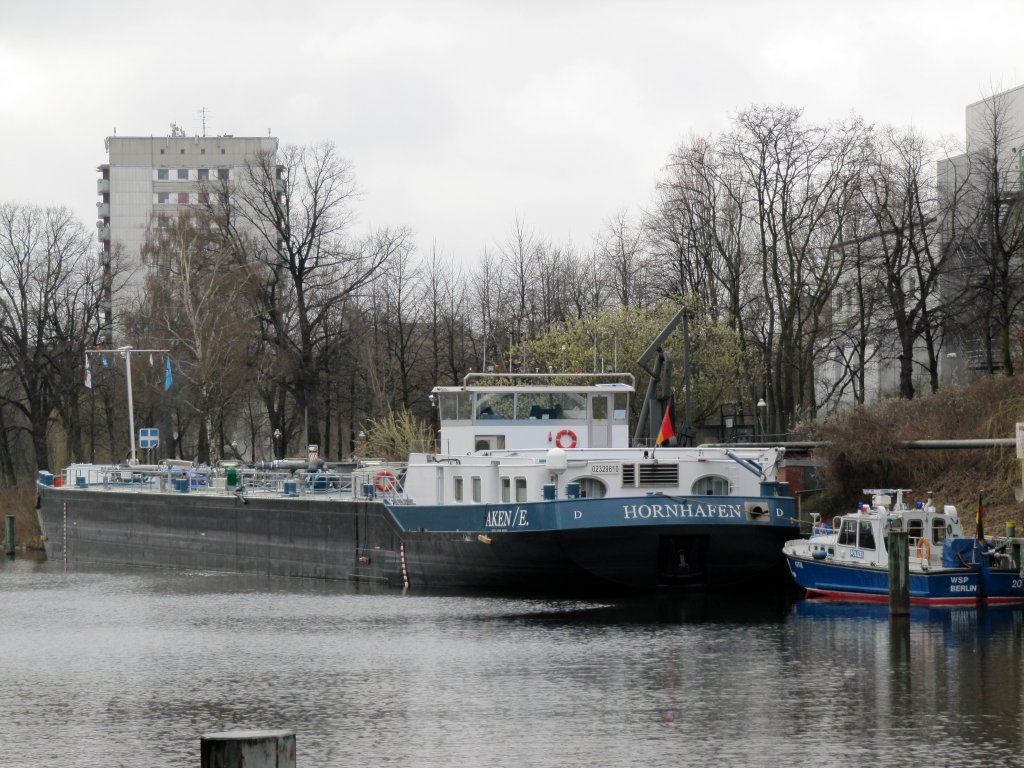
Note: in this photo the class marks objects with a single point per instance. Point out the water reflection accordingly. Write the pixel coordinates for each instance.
(130, 667)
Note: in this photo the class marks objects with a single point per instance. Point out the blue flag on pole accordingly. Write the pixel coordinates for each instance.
(103, 359)
(168, 378)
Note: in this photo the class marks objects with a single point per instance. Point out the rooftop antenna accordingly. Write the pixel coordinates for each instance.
(202, 118)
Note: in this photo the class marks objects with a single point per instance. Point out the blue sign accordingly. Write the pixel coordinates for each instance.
(149, 438)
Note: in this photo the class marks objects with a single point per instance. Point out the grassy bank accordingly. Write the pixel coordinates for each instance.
(864, 451)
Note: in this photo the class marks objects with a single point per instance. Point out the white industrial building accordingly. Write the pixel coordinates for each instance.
(147, 175)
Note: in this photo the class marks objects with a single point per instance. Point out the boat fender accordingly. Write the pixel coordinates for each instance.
(819, 554)
(385, 480)
(924, 550)
(566, 433)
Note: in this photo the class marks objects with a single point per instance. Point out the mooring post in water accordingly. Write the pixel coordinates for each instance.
(899, 573)
(248, 749)
(9, 535)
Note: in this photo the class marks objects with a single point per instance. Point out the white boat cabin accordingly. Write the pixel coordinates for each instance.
(481, 417)
(859, 537)
(534, 438)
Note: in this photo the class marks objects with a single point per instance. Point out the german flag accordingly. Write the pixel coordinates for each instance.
(668, 429)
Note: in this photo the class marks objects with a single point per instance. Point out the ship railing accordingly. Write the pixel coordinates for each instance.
(374, 480)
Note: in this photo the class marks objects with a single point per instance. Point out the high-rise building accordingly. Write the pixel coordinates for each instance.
(146, 176)
(982, 191)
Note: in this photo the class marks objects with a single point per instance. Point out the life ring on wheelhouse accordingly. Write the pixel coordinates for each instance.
(385, 480)
(566, 433)
(924, 550)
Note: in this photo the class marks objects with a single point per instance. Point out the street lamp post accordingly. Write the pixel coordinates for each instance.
(762, 406)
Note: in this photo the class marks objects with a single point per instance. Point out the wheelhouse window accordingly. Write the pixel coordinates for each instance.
(866, 536)
(915, 528)
(848, 533)
(938, 530)
(711, 485)
(456, 406)
(492, 405)
(458, 488)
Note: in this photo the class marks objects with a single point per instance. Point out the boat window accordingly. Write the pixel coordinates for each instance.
(599, 408)
(476, 489)
(550, 405)
(711, 485)
(621, 406)
(915, 528)
(592, 488)
(494, 405)
(867, 535)
(520, 489)
(455, 406)
(848, 533)
(938, 530)
(506, 489)
(458, 488)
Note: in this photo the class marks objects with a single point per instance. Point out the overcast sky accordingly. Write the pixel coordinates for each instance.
(460, 117)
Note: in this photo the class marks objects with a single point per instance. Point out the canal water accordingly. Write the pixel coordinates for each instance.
(129, 668)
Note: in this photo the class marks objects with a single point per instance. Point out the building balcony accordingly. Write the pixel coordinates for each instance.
(102, 186)
(103, 210)
(103, 233)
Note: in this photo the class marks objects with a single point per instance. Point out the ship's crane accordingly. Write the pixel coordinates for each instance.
(656, 400)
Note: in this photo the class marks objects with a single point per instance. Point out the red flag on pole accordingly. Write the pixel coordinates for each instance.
(668, 430)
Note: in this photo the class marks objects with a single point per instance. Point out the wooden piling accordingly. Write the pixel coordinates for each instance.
(9, 535)
(248, 749)
(897, 544)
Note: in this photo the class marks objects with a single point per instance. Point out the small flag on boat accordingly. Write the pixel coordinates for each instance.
(150, 359)
(168, 378)
(103, 359)
(668, 430)
(981, 520)
(88, 372)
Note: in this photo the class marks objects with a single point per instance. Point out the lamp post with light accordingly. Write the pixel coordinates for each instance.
(762, 406)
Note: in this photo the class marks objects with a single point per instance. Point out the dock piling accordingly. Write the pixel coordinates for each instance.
(9, 535)
(897, 543)
(248, 749)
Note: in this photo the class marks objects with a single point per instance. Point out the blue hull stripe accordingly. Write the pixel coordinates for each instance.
(583, 514)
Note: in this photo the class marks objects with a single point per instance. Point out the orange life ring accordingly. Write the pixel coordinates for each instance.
(924, 550)
(385, 480)
(566, 433)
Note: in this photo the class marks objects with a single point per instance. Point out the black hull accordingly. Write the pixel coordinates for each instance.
(359, 541)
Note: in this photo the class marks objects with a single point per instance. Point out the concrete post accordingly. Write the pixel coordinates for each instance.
(9, 535)
(248, 749)
(897, 544)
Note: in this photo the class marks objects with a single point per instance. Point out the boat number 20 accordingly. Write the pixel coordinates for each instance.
(1017, 583)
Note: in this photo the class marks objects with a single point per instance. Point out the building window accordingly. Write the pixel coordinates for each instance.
(183, 198)
(163, 197)
(183, 151)
(222, 174)
(204, 198)
(162, 174)
(458, 489)
(204, 174)
(506, 489)
(476, 489)
(520, 489)
(202, 151)
(161, 151)
(183, 174)
(222, 151)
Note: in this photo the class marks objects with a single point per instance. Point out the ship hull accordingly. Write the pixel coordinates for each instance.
(358, 540)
